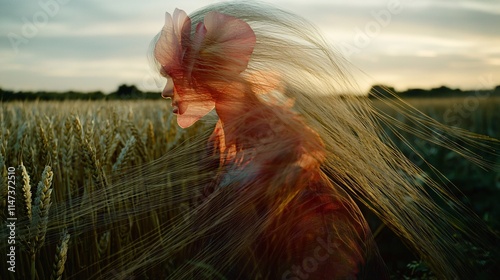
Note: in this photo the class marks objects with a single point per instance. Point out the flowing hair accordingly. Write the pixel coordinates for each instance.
(295, 61)
(359, 155)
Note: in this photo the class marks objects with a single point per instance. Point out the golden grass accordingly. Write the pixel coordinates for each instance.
(78, 152)
(73, 149)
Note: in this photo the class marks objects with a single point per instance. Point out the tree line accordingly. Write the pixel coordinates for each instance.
(131, 92)
(382, 91)
(123, 92)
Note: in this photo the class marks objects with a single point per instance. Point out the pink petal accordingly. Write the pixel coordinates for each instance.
(194, 112)
(183, 27)
(194, 49)
(168, 49)
(193, 104)
(231, 40)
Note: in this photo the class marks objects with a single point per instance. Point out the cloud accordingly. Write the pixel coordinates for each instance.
(454, 70)
(432, 18)
(97, 44)
(427, 44)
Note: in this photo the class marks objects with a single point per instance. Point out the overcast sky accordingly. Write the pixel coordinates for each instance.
(97, 45)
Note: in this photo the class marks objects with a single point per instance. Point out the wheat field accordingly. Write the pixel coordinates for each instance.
(67, 155)
(63, 152)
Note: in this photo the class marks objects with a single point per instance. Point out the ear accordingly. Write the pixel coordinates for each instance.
(174, 35)
(227, 42)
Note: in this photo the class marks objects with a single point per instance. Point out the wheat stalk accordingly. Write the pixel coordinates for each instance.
(115, 142)
(91, 163)
(61, 256)
(151, 141)
(103, 140)
(3, 184)
(27, 154)
(140, 147)
(20, 136)
(43, 147)
(4, 140)
(53, 144)
(68, 156)
(78, 131)
(67, 144)
(126, 154)
(24, 204)
(102, 246)
(26, 192)
(107, 141)
(41, 208)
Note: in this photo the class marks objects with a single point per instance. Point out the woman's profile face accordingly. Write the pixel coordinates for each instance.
(221, 46)
(187, 103)
(169, 92)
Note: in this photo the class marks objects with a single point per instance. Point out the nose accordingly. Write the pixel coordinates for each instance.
(168, 91)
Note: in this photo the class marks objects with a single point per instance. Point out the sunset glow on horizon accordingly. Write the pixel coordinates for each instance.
(60, 45)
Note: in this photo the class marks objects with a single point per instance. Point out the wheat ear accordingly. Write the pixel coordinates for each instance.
(61, 256)
(26, 192)
(126, 154)
(103, 245)
(25, 206)
(41, 210)
(3, 184)
(140, 147)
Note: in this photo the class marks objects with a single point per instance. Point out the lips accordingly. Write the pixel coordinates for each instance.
(178, 107)
(175, 109)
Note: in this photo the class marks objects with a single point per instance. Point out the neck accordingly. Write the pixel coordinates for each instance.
(232, 106)
(237, 116)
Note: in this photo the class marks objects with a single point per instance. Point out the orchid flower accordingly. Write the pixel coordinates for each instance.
(219, 49)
